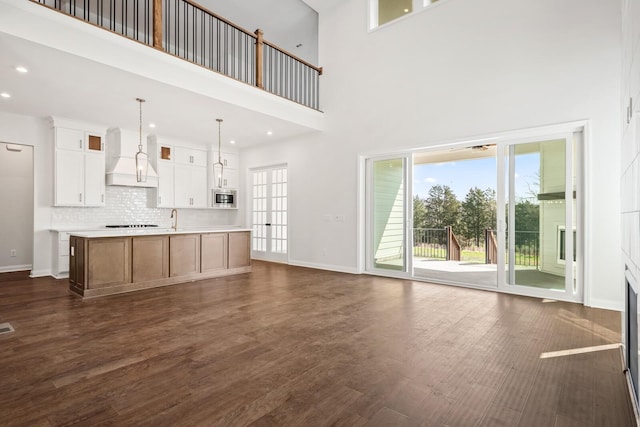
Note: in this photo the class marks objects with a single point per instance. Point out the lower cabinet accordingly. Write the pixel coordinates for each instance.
(184, 254)
(239, 249)
(214, 252)
(150, 258)
(108, 262)
(108, 265)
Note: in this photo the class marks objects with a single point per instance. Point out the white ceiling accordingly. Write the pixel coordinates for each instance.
(65, 85)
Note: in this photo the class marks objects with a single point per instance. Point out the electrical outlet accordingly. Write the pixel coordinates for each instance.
(324, 251)
(14, 253)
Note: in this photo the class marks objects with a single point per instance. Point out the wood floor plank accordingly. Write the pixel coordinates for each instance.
(295, 346)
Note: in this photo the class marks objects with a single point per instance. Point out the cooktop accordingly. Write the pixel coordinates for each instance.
(132, 226)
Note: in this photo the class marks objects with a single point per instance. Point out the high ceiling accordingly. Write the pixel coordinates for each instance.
(66, 85)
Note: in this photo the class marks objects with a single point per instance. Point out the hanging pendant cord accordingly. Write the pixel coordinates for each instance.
(140, 101)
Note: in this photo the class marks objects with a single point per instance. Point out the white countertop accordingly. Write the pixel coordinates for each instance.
(152, 231)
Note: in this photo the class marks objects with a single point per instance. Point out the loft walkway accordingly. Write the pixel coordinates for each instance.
(185, 29)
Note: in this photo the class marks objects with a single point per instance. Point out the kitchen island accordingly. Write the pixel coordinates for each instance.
(108, 262)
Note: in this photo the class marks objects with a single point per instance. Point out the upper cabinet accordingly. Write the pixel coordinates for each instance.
(190, 156)
(161, 157)
(182, 174)
(226, 176)
(79, 164)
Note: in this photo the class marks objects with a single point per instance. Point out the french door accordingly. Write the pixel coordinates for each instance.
(269, 214)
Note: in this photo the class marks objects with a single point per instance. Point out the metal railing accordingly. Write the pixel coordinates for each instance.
(441, 243)
(526, 248)
(430, 243)
(437, 243)
(130, 18)
(290, 77)
(189, 31)
(197, 35)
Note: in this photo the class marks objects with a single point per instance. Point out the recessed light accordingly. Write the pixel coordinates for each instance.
(269, 133)
(232, 142)
(406, 11)
(5, 95)
(152, 125)
(22, 69)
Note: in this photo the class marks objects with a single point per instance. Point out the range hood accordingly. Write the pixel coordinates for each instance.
(122, 146)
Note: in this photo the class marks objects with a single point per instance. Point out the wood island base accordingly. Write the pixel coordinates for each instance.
(100, 266)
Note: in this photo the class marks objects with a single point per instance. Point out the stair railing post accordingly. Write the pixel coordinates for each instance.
(157, 24)
(259, 58)
(448, 233)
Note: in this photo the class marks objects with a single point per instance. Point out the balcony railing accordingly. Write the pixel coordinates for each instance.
(189, 31)
(441, 243)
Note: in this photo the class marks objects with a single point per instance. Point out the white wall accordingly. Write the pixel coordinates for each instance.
(460, 69)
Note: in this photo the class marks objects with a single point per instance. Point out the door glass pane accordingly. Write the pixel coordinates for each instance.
(536, 234)
(388, 214)
(279, 211)
(259, 229)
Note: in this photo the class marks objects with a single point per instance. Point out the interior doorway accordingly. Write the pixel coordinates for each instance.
(16, 199)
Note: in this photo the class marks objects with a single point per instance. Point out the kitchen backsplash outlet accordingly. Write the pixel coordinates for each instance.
(128, 205)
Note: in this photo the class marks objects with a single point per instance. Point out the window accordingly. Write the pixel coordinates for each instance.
(388, 10)
(384, 11)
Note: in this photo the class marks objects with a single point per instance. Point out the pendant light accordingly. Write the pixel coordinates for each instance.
(219, 162)
(142, 160)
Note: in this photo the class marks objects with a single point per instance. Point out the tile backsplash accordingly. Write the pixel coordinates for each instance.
(129, 205)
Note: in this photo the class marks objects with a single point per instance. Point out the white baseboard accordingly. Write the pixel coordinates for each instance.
(329, 267)
(12, 268)
(40, 273)
(606, 304)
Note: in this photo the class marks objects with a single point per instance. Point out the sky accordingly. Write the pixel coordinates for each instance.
(462, 175)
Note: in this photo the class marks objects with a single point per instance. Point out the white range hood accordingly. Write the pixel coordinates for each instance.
(122, 146)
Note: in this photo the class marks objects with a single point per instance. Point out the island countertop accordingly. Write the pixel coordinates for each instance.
(128, 232)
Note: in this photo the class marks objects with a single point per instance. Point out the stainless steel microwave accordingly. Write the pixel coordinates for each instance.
(223, 198)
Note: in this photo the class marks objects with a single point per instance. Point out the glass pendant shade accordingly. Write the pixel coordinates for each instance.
(142, 166)
(142, 160)
(219, 163)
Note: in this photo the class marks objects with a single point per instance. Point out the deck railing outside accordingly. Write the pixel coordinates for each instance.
(191, 32)
(441, 243)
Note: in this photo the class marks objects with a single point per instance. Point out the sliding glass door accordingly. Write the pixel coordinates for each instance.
(388, 220)
(456, 228)
(541, 217)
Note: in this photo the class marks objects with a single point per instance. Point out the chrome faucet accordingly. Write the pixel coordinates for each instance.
(174, 214)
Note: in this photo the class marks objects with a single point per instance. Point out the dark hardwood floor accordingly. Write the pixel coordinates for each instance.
(294, 346)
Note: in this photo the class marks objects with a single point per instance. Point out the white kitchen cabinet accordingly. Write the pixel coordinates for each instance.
(61, 254)
(229, 178)
(69, 139)
(79, 168)
(94, 179)
(165, 197)
(190, 186)
(69, 178)
(229, 160)
(190, 156)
